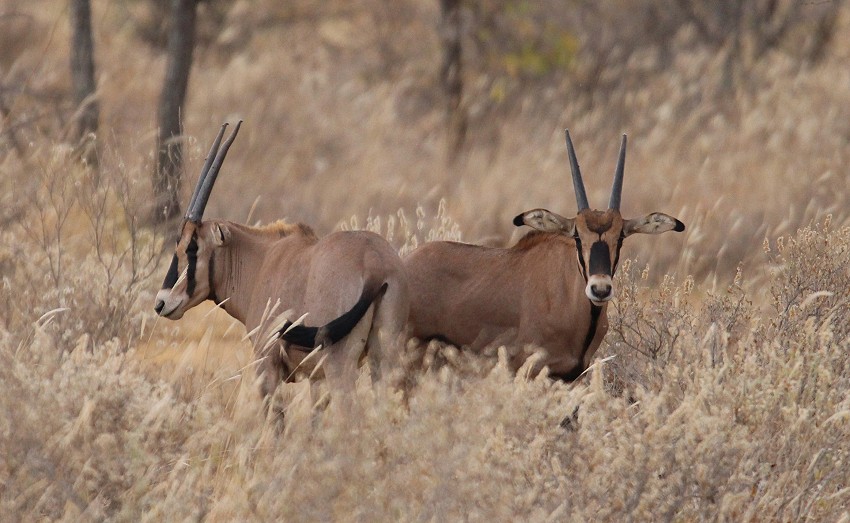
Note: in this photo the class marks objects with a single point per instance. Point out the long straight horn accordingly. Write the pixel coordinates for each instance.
(209, 173)
(578, 185)
(617, 189)
(207, 163)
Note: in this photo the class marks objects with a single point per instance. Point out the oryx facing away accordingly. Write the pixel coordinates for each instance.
(353, 283)
(549, 291)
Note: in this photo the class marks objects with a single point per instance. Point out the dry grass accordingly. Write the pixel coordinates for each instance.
(721, 391)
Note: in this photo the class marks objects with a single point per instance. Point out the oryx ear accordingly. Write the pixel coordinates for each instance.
(654, 223)
(220, 234)
(546, 221)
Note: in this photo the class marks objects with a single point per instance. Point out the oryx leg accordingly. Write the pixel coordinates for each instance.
(342, 359)
(272, 369)
(387, 336)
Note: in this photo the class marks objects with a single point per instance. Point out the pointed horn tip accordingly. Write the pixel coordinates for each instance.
(578, 184)
(617, 188)
(235, 131)
(210, 172)
(570, 146)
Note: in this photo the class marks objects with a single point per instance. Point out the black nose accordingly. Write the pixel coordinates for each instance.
(159, 305)
(600, 291)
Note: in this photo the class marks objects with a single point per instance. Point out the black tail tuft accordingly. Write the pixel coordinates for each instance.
(336, 329)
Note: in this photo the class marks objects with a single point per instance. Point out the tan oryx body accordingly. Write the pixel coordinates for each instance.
(549, 291)
(352, 284)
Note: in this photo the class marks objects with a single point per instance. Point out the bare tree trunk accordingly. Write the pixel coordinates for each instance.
(82, 74)
(823, 36)
(732, 61)
(451, 78)
(169, 167)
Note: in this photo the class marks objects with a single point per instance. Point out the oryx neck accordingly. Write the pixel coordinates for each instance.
(236, 266)
(240, 261)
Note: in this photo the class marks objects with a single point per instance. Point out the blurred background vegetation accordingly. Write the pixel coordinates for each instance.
(736, 110)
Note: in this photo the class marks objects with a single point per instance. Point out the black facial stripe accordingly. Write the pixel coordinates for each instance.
(581, 257)
(617, 257)
(600, 258)
(171, 275)
(191, 262)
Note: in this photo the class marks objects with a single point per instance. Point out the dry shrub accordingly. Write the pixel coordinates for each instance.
(464, 447)
(761, 399)
(656, 325)
(84, 434)
(76, 244)
(812, 280)
(648, 325)
(414, 462)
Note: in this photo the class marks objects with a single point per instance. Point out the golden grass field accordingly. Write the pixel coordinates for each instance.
(721, 392)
